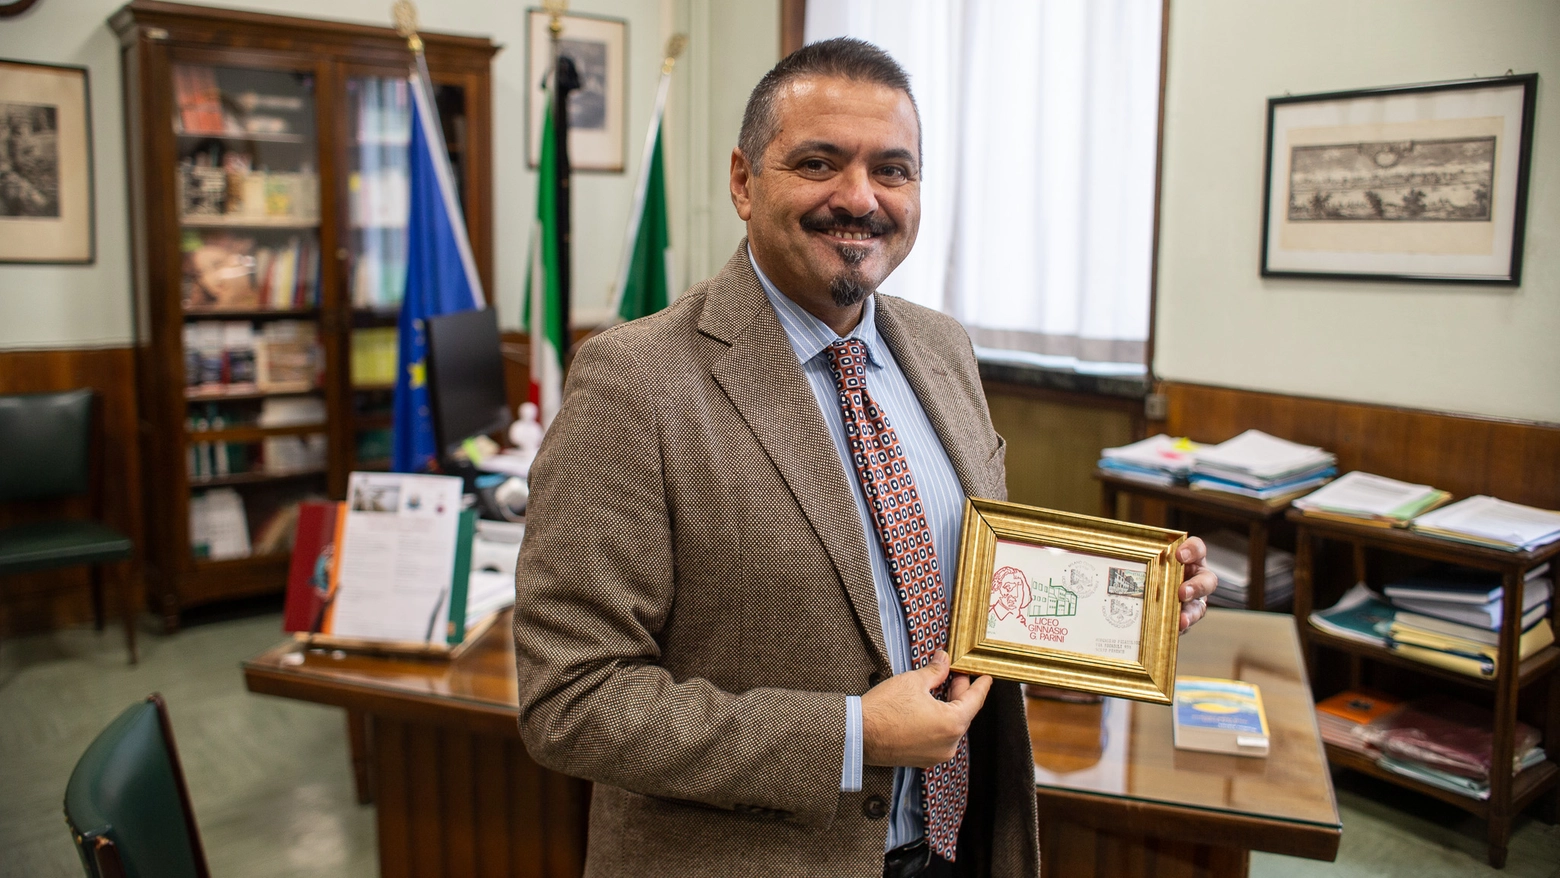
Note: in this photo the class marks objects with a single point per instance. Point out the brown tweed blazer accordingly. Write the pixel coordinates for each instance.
(695, 599)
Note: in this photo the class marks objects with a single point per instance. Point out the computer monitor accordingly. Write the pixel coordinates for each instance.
(465, 378)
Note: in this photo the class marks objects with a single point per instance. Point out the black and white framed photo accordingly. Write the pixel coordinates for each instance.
(45, 164)
(598, 47)
(1417, 182)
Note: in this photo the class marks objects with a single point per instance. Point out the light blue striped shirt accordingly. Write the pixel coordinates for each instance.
(941, 496)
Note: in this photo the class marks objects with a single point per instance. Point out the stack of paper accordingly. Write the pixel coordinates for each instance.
(1157, 460)
(1486, 521)
(1255, 464)
(1363, 498)
(1344, 718)
(1227, 557)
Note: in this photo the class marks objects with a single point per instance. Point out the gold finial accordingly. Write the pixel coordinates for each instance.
(405, 14)
(674, 47)
(555, 10)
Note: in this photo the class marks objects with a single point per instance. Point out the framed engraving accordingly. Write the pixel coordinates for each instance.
(1066, 600)
(45, 164)
(598, 46)
(1418, 182)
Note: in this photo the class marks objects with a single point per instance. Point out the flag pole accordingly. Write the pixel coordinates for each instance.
(404, 13)
(674, 48)
(564, 80)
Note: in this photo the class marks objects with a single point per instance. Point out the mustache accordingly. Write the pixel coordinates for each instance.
(827, 220)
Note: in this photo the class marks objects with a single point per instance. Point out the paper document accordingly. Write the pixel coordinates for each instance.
(397, 556)
(1364, 493)
(1495, 519)
(1259, 454)
(1156, 452)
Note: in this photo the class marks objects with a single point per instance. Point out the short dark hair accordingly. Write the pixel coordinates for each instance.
(841, 58)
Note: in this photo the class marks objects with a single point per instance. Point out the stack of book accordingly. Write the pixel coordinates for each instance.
(1450, 617)
(1157, 460)
(1257, 465)
(1487, 521)
(1345, 718)
(1364, 498)
(1447, 744)
(1227, 556)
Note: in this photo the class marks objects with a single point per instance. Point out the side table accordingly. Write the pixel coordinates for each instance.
(1255, 515)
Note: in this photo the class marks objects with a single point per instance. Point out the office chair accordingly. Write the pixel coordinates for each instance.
(45, 454)
(126, 803)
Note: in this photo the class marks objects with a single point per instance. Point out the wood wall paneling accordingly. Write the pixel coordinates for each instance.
(1514, 460)
(1054, 440)
(54, 598)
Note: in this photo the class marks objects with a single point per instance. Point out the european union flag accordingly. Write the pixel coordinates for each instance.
(441, 278)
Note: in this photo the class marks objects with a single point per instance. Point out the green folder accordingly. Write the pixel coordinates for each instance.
(461, 581)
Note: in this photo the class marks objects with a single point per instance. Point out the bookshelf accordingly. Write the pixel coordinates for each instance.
(268, 157)
(1533, 682)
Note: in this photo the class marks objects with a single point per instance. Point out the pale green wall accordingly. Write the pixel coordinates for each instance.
(734, 43)
(1487, 351)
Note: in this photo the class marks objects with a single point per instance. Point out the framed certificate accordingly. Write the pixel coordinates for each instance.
(1066, 600)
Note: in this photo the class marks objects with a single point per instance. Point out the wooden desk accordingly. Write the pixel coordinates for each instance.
(455, 791)
(1116, 798)
(1256, 515)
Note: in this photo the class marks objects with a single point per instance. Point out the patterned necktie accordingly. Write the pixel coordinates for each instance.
(900, 522)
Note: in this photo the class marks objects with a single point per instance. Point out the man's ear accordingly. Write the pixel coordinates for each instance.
(741, 178)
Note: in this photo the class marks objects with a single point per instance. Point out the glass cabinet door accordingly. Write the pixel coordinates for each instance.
(248, 195)
(379, 121)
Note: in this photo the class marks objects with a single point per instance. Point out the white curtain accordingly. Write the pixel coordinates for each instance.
(1039, 120)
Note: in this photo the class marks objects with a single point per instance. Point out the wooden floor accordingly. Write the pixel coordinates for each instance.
(273, 789)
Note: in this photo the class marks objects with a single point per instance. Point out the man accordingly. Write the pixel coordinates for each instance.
(710, 619)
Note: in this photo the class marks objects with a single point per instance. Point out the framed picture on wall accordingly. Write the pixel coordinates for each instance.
(1416, 182)
(599, 49)
(1066, 600)
(45, 164)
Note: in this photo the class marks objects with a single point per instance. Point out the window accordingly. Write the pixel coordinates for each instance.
(1040, 130)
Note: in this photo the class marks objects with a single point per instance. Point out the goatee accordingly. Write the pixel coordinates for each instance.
(847, 289)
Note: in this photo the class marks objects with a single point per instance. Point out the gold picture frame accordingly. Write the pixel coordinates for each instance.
(1105, 621)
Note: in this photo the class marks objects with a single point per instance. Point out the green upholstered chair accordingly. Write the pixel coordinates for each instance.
(46, 454)
(126, 804)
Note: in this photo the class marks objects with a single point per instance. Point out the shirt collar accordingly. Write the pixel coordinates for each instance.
(809, 335)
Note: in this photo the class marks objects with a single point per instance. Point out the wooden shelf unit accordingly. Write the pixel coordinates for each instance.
(1508, 794)
(322, 68)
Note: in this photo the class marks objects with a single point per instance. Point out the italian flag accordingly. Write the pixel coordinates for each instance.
(543, 319)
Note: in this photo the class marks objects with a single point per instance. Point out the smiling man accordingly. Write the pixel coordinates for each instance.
(732, 599)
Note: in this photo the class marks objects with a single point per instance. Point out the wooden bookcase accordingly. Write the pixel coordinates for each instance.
(1513, 682)
(266, 159)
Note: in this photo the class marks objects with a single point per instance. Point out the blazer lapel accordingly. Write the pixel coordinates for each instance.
(950, 414)
(761, 377)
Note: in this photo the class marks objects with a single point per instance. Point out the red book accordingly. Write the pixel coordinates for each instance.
(309, 580)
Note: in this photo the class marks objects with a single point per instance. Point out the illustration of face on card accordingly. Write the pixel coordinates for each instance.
(1050, 598)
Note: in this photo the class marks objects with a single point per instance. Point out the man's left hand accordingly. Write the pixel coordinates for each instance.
(1198, 583)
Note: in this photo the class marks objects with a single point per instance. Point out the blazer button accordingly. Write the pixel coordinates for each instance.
(875, 808)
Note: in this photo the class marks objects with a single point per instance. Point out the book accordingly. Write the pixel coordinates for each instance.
(1474, 633)
(1359, 615)
(1219, 716)
(308, 575)
(1462, 585)
(1535, 594)
(1343, 718)
(1540, 635)
(1462, 656)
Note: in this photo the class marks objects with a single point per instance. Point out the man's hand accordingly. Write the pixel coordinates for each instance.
(1198, 582)
(903, 724)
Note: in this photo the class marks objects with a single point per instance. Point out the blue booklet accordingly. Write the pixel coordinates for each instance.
(1222, 716)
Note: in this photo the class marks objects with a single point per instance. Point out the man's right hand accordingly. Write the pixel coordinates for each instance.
(903, 724)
